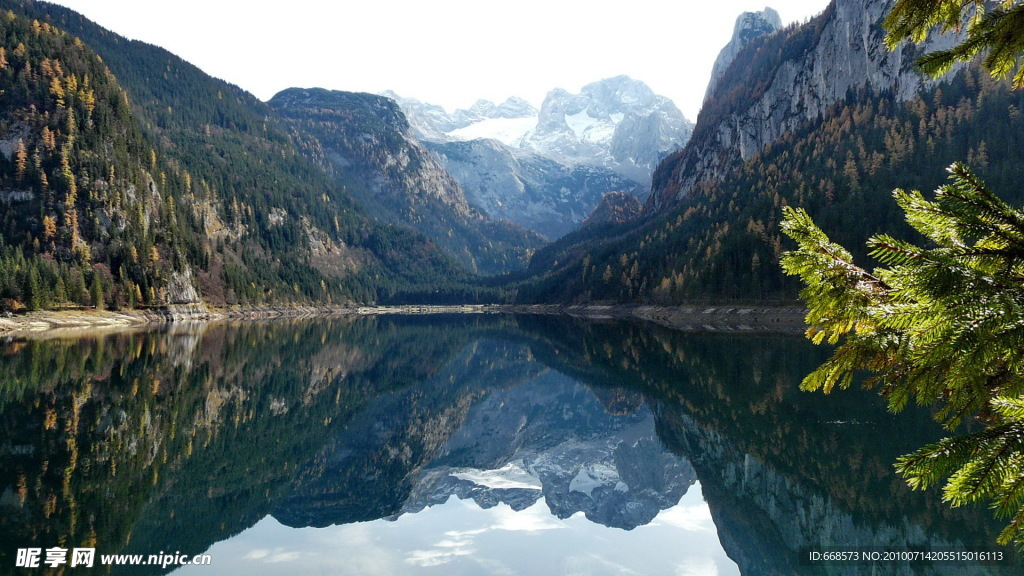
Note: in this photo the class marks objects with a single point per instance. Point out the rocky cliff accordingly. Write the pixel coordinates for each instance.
(780, 81)
(366, 144)
(547, 169)
(749, 25)
(619, 123)
(528, 189)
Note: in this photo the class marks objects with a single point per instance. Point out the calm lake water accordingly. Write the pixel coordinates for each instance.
(458, 445)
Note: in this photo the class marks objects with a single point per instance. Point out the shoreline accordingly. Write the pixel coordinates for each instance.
(752, 319)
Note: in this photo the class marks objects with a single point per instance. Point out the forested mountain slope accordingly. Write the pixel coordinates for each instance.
(364, 142)
(267, 225)
(780, 82)
(712, 233)
(83, 199)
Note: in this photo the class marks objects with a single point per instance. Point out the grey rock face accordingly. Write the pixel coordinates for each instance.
(551, 438)
(548, 169)
(748, 26)
(839, 51)
(525, 188)
(181, 288)
(618, 123)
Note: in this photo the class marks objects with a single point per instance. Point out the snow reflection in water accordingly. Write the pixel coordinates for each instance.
(459, 537)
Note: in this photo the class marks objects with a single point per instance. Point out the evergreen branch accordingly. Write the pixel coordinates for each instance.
(925, 466)
(971, 186)
(1014, 530)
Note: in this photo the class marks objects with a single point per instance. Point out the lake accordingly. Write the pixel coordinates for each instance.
(461, 444)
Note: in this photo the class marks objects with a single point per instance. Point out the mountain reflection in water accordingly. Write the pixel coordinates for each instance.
(457, 444)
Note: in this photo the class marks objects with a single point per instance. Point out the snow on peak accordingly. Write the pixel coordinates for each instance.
(508, 131)
(617, 123)
(508, 477)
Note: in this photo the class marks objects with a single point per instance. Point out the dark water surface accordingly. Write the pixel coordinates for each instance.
(458, 445)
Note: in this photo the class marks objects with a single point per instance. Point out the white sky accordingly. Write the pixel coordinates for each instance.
(448, 52)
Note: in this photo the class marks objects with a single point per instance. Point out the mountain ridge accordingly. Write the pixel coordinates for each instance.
(768, 95)
(709, 230)
(749, 25)
(270, 226)
(365, 143)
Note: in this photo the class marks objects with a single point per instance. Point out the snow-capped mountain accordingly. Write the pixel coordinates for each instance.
(506, 122)
(553, 439)
(547, 169)
(529, 189)
(618, 123)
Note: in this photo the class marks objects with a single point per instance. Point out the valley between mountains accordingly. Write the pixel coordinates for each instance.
(130, 179)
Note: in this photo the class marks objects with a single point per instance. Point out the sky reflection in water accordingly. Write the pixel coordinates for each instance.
(458, 537)
(283, 448)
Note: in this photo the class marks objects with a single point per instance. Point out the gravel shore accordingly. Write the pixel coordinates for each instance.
(719, 318)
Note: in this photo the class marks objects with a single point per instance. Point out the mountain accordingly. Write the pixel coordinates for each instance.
(619, 123)
(365, 143)
(548, 169)
(433, 123)
(783, 81)
(820, 116)
(529, 189)
(551, 438)
(212, 179)
(615, 208)
(749, 25)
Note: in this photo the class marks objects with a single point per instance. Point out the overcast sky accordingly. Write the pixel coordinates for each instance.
(448, 52)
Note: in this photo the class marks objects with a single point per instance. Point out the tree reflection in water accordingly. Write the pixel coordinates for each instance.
(178, 439)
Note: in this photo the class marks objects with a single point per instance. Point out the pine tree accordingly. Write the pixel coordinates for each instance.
(79, 293)
(21, 160)
(60, 295)
(96, 292)
(32, 290)
(993, 29)
(939, 324)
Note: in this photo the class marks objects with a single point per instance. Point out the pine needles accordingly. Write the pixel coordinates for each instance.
(939, 325)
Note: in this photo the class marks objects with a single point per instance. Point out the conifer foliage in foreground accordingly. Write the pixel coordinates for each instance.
(942, 325)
